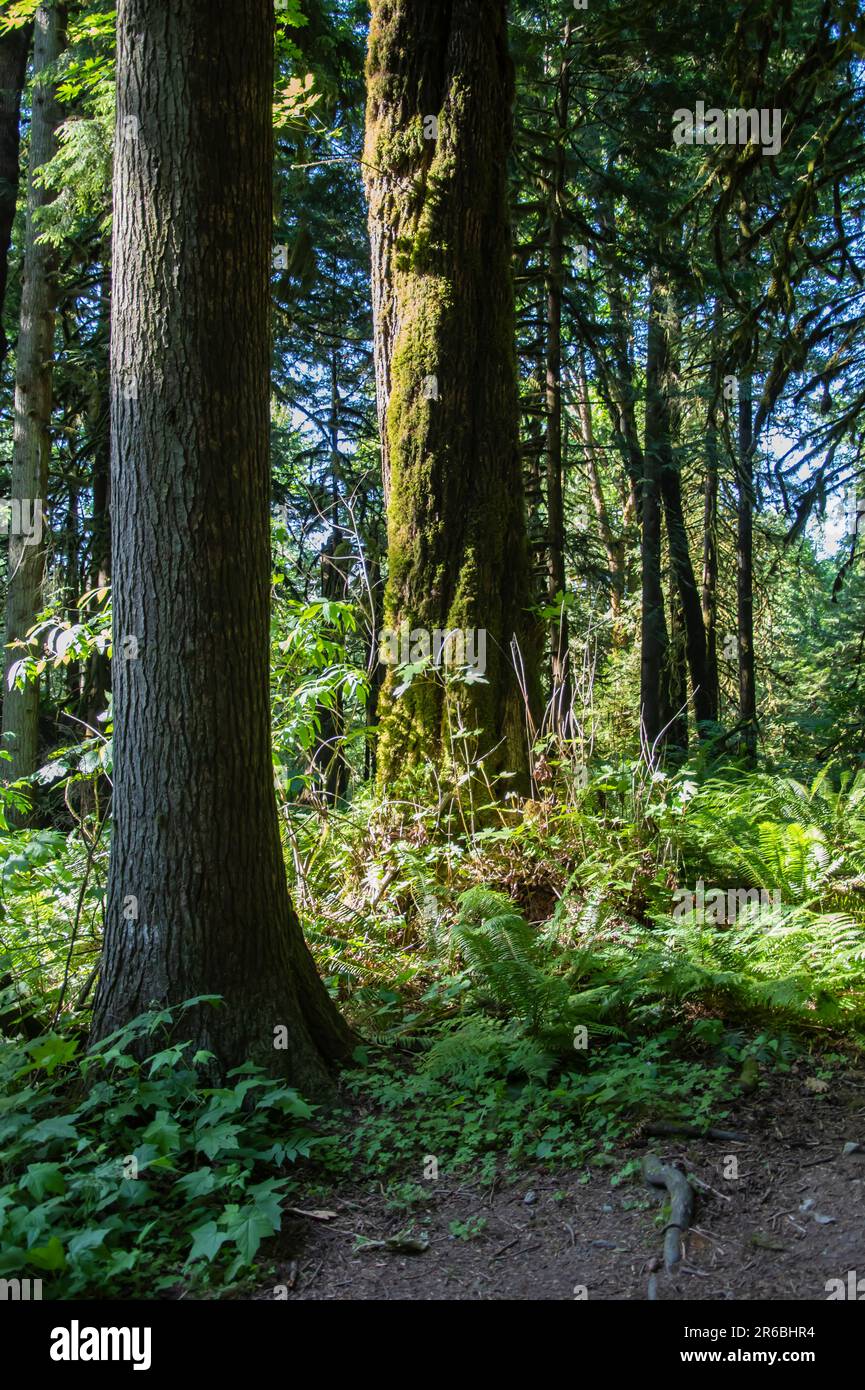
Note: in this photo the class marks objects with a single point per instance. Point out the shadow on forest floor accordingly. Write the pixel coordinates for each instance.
(793, 1220)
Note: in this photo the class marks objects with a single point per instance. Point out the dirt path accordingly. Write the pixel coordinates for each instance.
(779, 1222)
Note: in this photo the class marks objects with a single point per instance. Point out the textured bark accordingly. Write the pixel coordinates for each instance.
(677, 676)
(654, 702)
(709, 587)
(14, 47)
(745, 572)
(446, 367)
(31, 449)
(533, 448)
(689, 612)
(373, 665)
(614, 548)
(197, 899)
(622, 387)
(560, 674)
(405, 83)
(328, 758)
(689, 596)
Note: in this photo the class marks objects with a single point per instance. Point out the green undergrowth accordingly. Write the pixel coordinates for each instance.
(586, 894)
(527, 983)
(125, 1178)
(483, 1100)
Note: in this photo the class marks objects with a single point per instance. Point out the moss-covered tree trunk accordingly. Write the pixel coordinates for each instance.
(197, 900)
(440, 87)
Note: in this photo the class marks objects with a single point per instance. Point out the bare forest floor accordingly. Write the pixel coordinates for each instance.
(792, 1220)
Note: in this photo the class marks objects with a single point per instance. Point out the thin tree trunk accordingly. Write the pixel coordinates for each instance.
(197, 898)
(654, 642)
(14, 47)
(328, 758)
(689, 596)
(689, 611)
(621, 372)
(560, 674)
(532, 452)
(614, 549)
(95, 792)
(677, 675)
(373, 665)
(31, 449)
(440, 87)
(709, 588)
(745, 572)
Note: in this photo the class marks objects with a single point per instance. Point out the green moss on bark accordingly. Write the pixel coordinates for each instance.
(446, 366)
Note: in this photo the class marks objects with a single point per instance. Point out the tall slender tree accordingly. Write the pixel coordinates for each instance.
(745, 569)
(197, 900)
(33, 398)
(655, 709)
(560, 634)
(13, 66)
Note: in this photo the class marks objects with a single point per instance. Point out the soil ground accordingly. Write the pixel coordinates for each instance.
(791, 1221)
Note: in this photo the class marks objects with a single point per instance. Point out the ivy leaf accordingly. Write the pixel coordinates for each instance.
(41, 1178)
(207, 1241)
(50, 1256)
(87, 1240)
(60, 1127)
(164, 1132)
(121, 1262)
(50, 1052)
(250, 1230)
(197, 1184)
(222, 1136)
(266, 1197)
(167, 1059)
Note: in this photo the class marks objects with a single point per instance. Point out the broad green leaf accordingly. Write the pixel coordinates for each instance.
(87, 1240)
(207, 1241)
(43, 1177)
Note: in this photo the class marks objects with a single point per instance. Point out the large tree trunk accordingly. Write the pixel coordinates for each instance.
(745, 572)
(440, 86)
(31, 449)
(13, 66)
(197, 898)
